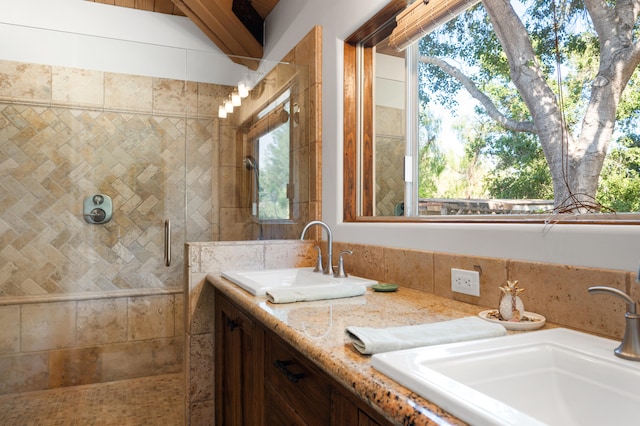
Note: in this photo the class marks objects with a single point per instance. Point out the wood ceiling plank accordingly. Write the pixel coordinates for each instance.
(144, 5)
(164, 6)
(126, 3)
(216, 19)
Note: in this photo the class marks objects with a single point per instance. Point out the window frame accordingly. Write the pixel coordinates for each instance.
(265, 126)
(358, 139)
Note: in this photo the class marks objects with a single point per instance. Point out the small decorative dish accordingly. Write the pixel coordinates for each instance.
(529, 321)
(385, 287)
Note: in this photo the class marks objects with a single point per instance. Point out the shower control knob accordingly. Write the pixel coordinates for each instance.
(98, 215)
(97, 209)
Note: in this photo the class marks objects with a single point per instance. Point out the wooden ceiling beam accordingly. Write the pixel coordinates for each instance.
(216, 19)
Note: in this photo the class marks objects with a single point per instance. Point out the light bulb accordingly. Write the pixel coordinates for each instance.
(243, 90)
(235, 99)
(228, 106)
(222, 112)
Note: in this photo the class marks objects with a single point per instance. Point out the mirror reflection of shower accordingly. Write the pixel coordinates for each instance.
(254, 188)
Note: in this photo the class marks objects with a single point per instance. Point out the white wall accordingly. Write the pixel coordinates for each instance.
(616, 247)
(95, 36)
(81, 34)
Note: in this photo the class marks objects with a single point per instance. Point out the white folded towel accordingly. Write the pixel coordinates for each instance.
(308, 294)
(369, 340)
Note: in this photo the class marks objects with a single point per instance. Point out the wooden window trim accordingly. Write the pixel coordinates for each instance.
(365, 38)
(371, 33)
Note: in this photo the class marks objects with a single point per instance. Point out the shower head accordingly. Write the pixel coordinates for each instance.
(250, 163)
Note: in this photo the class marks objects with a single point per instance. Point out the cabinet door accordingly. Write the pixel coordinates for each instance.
(239, 366)
(294, 386)
(345, 411)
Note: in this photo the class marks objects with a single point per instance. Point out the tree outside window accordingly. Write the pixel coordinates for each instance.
(534, 100)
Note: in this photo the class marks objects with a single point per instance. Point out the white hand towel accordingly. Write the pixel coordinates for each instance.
(308, 294)
(369, 340)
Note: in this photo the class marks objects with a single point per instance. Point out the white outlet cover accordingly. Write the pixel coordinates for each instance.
(465, 281)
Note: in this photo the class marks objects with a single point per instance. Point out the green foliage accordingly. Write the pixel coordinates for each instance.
(274, 174)
(513, 164)
(431, 161)
(619, 186)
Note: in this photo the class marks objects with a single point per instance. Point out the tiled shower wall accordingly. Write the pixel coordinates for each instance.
(89, 303)
(390, 151)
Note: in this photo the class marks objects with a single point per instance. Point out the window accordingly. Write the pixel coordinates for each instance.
(269, 165)
(426, 147)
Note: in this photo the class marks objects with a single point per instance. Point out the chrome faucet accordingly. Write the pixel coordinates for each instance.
(328, 270)
(630, 346)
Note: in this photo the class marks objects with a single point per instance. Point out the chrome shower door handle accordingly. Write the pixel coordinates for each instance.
(167, 242)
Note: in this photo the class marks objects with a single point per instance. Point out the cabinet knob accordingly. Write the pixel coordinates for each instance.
(231, 324)
(282, 366)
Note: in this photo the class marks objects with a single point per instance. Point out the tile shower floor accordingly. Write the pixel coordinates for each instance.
(146, 401)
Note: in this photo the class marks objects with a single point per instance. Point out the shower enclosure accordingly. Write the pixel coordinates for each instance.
(85, 299)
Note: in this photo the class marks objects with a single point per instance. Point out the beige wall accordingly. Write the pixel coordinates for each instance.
(69, 133)
(390, 147)
(91, 303)
(67, 341)
(302, 67)
(204, 258)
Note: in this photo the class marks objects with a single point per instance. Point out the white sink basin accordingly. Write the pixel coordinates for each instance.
(258, 282)
(548, 377)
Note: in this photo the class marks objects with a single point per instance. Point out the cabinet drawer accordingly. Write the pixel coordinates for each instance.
(306, 389)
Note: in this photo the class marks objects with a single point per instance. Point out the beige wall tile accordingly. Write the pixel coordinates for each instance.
(48, 326)
(179, 315)
(289, 254)
(10, 336)
(201, 313)
(412, 268)
(102, 321)
(174, 97)
(210, 97)
(141, 358)
(560, 294)
(71, 367)
(150, 317)
(201, 367)
(201, 413)
(77, 87)
(493, 275)
(20, 82)
(218, 257)
(128, 92)
(24, 372)
(366, 261)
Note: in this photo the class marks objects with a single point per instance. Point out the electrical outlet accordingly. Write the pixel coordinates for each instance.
(467, 282)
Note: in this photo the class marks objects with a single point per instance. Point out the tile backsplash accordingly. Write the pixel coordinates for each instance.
(75, 340)
(557, 292)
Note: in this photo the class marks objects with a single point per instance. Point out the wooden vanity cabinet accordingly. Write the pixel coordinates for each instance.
(262, 380)
(239, 366)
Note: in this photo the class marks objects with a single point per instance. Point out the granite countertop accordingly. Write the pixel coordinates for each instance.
(317, 330)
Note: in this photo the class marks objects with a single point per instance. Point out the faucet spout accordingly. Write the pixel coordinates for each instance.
(630, 346)
(328, 269)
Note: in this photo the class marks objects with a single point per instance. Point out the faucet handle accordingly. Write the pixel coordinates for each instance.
(318, 267)
(340, 273)
(630, 346)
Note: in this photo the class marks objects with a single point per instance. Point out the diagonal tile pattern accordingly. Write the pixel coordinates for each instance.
(52, 158)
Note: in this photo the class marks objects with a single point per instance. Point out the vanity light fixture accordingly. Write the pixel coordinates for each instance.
(235, 99)
(228, 106)
(243, 90)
